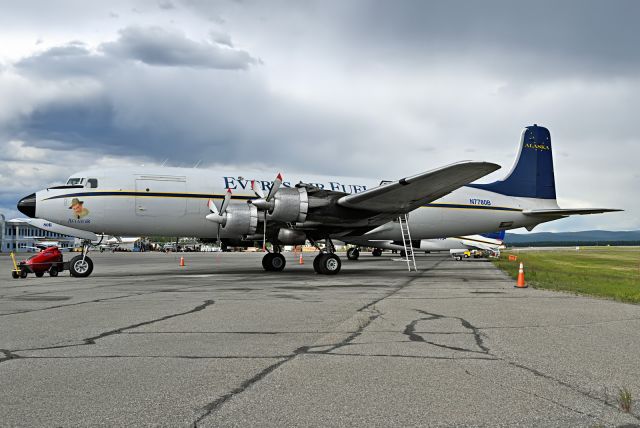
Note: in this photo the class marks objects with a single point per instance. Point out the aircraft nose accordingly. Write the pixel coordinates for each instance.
(27, 205)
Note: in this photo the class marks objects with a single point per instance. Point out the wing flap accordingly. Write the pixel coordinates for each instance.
(409, 193)
(567, 212)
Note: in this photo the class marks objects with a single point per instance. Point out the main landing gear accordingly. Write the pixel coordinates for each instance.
(354, 253)
(325, 263)
(273, 262)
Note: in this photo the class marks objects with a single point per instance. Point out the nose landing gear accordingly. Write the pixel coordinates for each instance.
(81, 266)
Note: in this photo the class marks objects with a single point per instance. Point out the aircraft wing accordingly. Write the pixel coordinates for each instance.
(480, 244)
(58, 228)
(555, 213)
(409, 193)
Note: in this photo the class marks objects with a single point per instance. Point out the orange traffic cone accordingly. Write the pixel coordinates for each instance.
(301, 259)
(520, 283)
(181, 261)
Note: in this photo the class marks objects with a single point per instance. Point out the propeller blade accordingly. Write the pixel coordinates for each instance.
(212, 207)
(218, 237)
(258, 191)
(225, 202)
(274, 187)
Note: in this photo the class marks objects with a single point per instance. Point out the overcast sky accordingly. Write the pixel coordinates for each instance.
(375, 89)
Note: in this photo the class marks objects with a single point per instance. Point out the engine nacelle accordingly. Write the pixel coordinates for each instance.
(290, 205)
(292, 237)
(241, 219)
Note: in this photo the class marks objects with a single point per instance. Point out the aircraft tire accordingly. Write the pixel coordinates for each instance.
(80, 269)
(274, 262)
(330, 264)
(23, 273)
(353, 254)
(377, 252)
(403, 253)
(266, 261)
(278, 262)
(14, 274)
(53, 271)
(316, 263)
(39, 274)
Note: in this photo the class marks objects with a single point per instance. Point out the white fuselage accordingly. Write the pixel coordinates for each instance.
(173, 202)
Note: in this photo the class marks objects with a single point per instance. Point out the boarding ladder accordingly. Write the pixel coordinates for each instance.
(406, 242)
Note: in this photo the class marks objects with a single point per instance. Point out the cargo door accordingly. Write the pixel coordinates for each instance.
(161, 195)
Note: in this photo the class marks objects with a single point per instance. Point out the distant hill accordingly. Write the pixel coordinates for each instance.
(587, 237)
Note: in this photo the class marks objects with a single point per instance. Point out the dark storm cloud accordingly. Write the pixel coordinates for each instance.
(543, 39)
(142, 113)
(72, 59)
(156, 46)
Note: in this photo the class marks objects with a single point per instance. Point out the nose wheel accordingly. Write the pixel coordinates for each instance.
(80, 266)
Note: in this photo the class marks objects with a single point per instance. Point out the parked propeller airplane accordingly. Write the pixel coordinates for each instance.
(181, 202)
(456, 245)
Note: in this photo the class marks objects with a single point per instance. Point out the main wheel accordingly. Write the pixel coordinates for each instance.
(23, 273)
(15, 274)
(329, 264)
(403, 253)
(53, 271)
(353, 254)
(79, 267)
(39, 274)
(266, 261)
(377, 252)
(274, 262)
(316, 263)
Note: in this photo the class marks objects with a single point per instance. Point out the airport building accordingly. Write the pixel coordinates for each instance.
(20, 237)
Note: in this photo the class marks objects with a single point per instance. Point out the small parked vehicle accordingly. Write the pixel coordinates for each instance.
(50, 260)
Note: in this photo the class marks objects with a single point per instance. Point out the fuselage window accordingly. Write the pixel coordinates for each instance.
(75, 181)
(92, 183)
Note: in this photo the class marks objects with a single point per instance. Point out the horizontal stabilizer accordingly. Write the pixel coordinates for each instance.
(409, 193)
(567, 212)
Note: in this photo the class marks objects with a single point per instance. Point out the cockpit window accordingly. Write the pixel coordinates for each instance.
(92, 183)
(74, 181)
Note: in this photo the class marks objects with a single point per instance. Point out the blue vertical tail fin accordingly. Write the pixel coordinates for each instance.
(532, 175)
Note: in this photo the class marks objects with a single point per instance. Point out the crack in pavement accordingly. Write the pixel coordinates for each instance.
(92, 340)
(27, 311)
(410, 331)
(484, 349)
(215, 405)
(8, 355)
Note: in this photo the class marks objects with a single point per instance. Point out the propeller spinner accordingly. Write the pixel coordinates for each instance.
(265, 204)
(219, 217)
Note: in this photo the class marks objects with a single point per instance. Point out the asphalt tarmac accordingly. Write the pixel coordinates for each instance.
(220, 342)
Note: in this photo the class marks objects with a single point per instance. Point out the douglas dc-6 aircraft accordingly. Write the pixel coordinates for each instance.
(182, 202)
